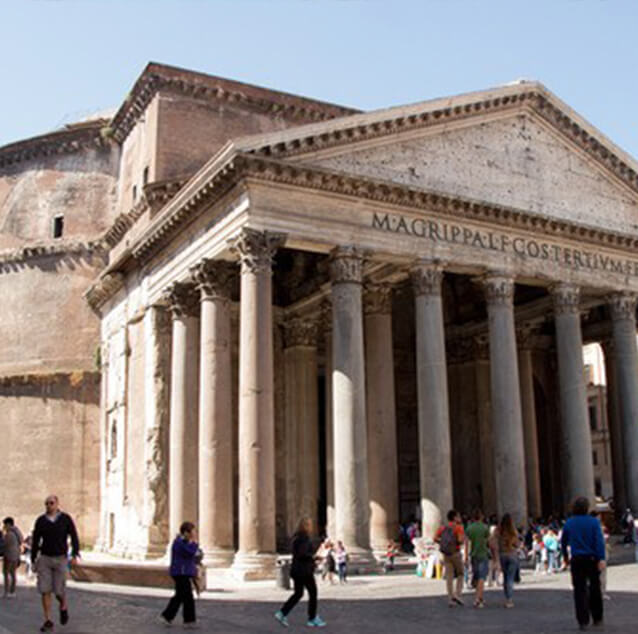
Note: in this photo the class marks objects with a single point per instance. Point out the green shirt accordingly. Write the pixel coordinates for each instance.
(478, 534)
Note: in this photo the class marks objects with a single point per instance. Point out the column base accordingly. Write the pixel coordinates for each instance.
(218, 558)
(254, 566)
(361, 561)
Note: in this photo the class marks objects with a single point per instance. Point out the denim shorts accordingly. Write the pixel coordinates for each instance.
(480, 568)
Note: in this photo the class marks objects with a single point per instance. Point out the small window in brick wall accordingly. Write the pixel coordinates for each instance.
(58, 226)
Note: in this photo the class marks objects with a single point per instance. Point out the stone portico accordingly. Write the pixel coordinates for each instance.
(368, 318)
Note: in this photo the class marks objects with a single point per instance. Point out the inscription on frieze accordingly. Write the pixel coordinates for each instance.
(440, 232)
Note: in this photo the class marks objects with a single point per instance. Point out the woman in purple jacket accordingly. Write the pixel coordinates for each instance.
(183, 568)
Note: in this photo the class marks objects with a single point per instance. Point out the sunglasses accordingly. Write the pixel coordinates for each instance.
(50, 503)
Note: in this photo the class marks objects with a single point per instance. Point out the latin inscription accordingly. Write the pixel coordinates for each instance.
(451, 233)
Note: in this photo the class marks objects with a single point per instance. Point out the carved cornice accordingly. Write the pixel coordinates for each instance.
(622, 306)
(427, 278)
(300, 331)
(214, 278)
(76, 379)
(346, 265)
(499, 289)
(256, 249)
(532, 97)
(182, 299)
(104, 288)
(52, 248)
(566, 299)
(71, 139)
(377, 299)
(158, 78)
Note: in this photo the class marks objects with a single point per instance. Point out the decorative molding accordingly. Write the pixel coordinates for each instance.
(71, 139)
(76, 379)
(158, 78)
(182, 299)
(481, 347)
(427, 278)
(214, 278)
(346, 265)
(300, 331)
(499, 289)
(256, 249)
(51, 248)
(377, 299)
(566, 299)
(105, 287)
(325, 318)
(622, 306)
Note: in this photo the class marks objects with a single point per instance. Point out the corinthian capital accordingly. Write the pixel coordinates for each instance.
(622, 306)
(427, 278)
(257, 249)
(346, 265)
(499, 289)
(182, 299)
(377, 299)
(300, 331)
(213, 278)
(566, 299)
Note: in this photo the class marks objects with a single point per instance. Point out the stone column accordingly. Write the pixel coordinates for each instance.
(256, 555)
(184, 305)
(383, 478)
(484, 415)
(157, 368)
(349, 406)
(623, 316)
(435, 453)
(577, 451)
(530, 434)
(615, 427)
(302, 424)
(213, 280)
(507, 420)
(326, 316)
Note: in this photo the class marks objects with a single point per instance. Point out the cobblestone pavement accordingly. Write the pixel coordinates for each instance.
(374, 605)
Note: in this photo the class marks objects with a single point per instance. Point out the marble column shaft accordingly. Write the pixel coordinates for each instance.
(213, 279)
(484, 414)
(435, 454)
(302, 424)
(381, 411)
(507, 419)
(183, 442)
(255, 557)
(577, 448)
(614, 426)
(530, 434)
(329, 437)
(349, 405)
(623, 316)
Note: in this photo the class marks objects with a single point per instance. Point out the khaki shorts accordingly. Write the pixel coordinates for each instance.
(51, 573)
(454, 563)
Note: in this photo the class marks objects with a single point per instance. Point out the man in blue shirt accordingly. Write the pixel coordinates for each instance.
(584, 537)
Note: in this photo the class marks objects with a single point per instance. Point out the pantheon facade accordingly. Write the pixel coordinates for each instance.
(306, 310)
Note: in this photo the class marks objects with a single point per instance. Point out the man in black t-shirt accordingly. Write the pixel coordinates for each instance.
(49, 554)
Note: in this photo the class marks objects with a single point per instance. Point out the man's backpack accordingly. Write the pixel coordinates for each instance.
(447, 541)
(1, 545)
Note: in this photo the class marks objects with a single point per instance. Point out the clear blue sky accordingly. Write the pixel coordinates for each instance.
(62, 59)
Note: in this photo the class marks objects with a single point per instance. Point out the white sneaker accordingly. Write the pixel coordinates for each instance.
(11, 595)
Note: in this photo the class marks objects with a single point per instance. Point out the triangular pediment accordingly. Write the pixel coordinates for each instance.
(518, 146)
(515, 161)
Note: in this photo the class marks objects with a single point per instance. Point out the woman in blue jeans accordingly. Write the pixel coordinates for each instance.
(508, 543)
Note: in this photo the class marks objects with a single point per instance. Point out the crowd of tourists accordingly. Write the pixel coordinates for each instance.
(472, 551)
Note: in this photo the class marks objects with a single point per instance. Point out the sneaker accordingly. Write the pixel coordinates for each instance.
(457, 601)
(164, 621)
(451, 603)
(316, 622)
(191, 625)
(281, 617)
(479, 604)
(64, 617)
(11, 595)
(509, 604)
(47, 626)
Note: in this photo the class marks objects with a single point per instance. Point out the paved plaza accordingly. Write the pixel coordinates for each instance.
(372, 604)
